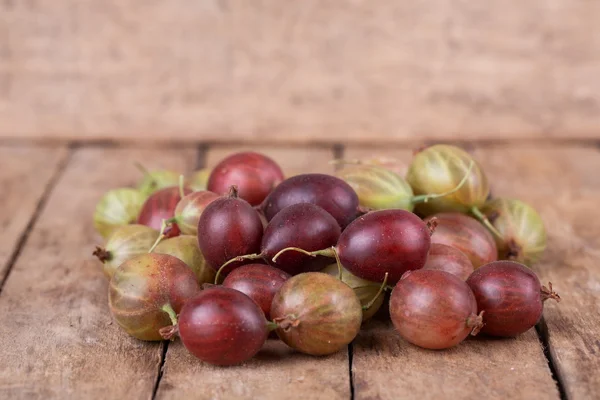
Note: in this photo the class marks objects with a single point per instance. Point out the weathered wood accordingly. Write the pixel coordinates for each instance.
(292, 160)
(301, 71)
(25, 173)
(387, 367)
(58, 340)
(277, 372)
(563, 184)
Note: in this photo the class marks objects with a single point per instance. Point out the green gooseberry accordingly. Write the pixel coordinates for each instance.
(116, 208)
(523, 236)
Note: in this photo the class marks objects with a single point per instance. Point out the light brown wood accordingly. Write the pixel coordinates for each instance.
(299, 72)
(58, 337)
(25, 174)
(293, 160)
(277, 372)
(387, 367)
(564, 186)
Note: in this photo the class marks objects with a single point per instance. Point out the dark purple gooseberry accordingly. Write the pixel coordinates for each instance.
(380, 242)
(302, 225)
(449, 259)
(221, 326)
(511, 296)
(434, 309)
(260, 282)
(328, 192)
(229, 227)
(254, 174)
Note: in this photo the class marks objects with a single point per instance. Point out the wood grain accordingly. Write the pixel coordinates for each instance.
(564, 186)
(25, 173)
(58, 338)
(277, 372)
(387, 367)
(308, 71)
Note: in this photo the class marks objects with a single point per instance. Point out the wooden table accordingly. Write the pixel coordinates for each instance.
(58, 339)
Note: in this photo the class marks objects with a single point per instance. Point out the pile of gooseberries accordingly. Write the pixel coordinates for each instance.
(231, 256)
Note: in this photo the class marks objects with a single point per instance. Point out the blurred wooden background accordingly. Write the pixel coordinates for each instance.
(299, 71)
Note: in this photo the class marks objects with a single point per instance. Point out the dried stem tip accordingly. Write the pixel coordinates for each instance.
(548, 293)
(287, 323)
(475, 322)
(102, 254)
(431, 225)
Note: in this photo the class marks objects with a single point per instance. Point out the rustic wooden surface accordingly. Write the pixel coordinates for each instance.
(299, 71)
(25, 176)
(563, 184)
(381, 356)
(58, 338)
(61, 343)
(277, 372)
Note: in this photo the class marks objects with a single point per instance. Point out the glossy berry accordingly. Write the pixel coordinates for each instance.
(328, 192)
(260, 282)
(222, 326)
(511, 297)
(161, 206)
(254, 174)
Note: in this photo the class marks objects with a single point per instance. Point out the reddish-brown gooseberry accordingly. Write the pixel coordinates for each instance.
(160, 206)
(446, 258)
(511, 297)
(147, 291)
(260, 282)
(316, 313)
(434, 309)
(222, 326)
(467, 235)
(254, 174)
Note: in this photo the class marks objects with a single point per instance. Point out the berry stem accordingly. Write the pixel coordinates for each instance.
(169, 310)
(431, 225)
(288, 322)
(548, 293)
(475, 322)
(161, 235)
(102, 254)
(483, 219)
(328, 252)
(379, 292)
(271, 326)
(424, 198)
(181, 189)
(236, 259)
(145, 172)
(233, 192)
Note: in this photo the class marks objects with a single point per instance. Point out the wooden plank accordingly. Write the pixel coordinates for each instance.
(25, 175)
(386, 367)
(293, 161)
(58, 339)
(307, 71)
(276, 372)
(563, 184)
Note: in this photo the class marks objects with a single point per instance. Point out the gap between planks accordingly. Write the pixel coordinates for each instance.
(368, 142)
(201, 150)
(542, 329)
(50, 184)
